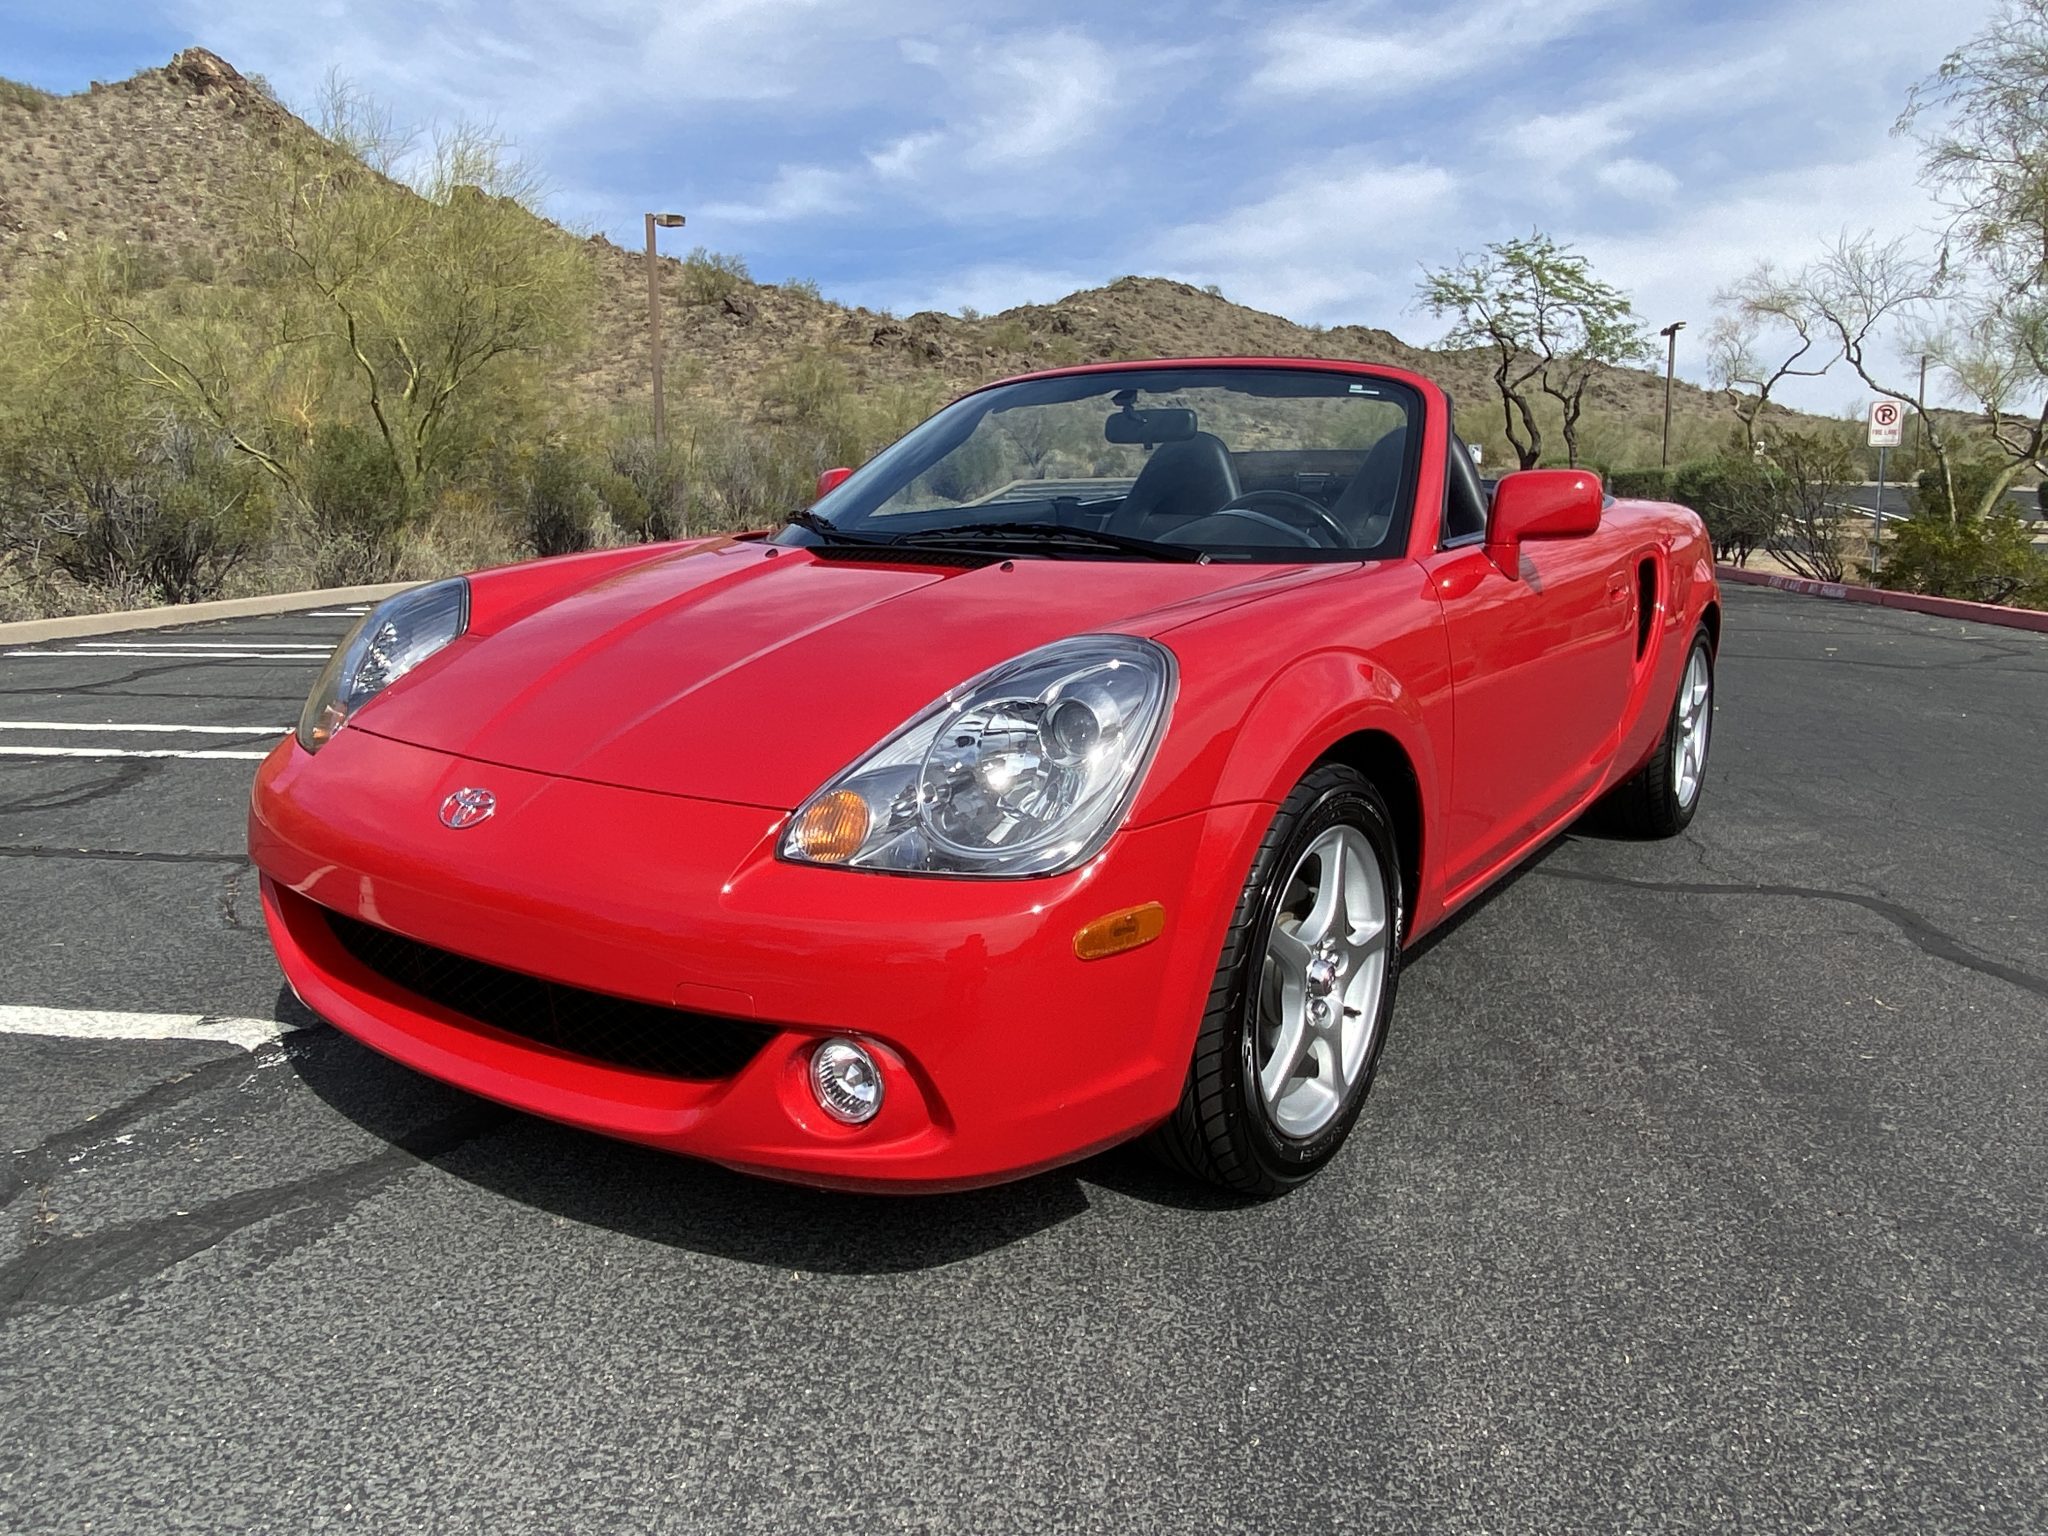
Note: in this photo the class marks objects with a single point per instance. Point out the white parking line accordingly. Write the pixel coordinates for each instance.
(92, 1024)
(338, 613)
(205, 645)
(309, 658)
(247, 757)
(123, 725)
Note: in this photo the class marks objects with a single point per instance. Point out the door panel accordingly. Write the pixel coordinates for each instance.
(1541, 664)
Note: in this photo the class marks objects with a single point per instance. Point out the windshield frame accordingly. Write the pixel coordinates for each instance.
(851, 506)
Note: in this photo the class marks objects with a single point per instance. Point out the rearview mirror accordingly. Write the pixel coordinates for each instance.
(830, 481)
(1541, 504)
(1169, 424)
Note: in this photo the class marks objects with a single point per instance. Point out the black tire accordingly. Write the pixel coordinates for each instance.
(1647, 804)
(1221, 1132)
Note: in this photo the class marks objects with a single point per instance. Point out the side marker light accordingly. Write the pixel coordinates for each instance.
(1119, 931)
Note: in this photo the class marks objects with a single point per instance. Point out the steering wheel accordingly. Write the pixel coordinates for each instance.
(1298, 514)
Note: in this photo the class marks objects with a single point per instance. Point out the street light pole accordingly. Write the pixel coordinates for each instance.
(1670, 335)
(1919, 409)
(666, 221)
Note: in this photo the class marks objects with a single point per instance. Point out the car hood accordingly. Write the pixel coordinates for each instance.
(747, 674)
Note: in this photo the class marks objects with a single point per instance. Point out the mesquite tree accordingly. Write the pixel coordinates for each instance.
(1551, 325)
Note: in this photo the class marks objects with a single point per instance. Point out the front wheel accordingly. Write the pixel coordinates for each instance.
(1660, 799)
(1303, 991)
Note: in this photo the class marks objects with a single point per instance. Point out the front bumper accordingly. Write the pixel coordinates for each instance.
(1003, 1052)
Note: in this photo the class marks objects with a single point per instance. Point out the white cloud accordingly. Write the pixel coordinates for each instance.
(1379, 50)
(1637, 180)
(542, 64)
(1558, 141)
(1341, 231)
(1015, 113)
(903, 159)
(1038, 97)
(797, 192)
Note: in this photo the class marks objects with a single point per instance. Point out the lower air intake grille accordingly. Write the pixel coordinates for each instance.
(617, 1031)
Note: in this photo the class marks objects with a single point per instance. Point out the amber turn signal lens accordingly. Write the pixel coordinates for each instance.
(833, 829)
(330, 721)
(1119, 931)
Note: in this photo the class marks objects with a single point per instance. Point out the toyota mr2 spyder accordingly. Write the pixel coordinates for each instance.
(1076, 771)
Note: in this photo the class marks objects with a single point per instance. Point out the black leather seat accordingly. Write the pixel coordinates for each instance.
(1181, 481)
(1366, 509)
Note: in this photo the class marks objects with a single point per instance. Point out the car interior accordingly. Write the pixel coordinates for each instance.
(1193, 489)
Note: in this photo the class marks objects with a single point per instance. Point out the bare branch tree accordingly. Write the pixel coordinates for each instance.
(1768, 331)
(1865, 292)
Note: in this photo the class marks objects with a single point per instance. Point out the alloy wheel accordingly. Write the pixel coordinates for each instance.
(1319, 995)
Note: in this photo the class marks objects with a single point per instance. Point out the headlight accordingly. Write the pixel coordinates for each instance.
(393, 638)
(1026, 770)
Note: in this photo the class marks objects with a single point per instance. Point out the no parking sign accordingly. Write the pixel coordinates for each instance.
(1887, 423)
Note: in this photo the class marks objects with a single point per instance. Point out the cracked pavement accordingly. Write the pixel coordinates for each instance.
(1701, 1186)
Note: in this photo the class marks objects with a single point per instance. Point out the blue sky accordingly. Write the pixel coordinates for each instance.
(1307, 158)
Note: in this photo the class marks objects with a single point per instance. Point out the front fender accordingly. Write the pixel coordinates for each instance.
(1255, 723)
(1317, 702)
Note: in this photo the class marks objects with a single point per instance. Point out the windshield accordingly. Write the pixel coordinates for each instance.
(1255, 464)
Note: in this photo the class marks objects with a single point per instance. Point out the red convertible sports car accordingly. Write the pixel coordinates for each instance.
(1077, 770)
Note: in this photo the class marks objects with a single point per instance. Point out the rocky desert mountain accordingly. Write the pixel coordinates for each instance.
(158, 161)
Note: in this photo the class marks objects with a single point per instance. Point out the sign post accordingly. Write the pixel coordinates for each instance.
(1887, 427)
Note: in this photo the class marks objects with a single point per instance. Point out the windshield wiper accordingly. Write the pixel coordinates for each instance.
(1053, 534)
(830, 531)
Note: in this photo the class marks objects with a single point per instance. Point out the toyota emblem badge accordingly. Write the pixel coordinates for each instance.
(466, 807)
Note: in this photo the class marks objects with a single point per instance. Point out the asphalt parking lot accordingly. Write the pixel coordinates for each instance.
(1702, 1187)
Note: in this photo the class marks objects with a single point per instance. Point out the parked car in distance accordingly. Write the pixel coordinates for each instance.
(1077, 770)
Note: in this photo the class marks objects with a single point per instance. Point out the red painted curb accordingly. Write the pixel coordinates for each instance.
(1910, 602)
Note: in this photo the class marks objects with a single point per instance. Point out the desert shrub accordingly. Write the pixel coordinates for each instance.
(559, 501)
(624, 505)
(467, 528)
(805, 288)
(356, 505)
(1806, 468)
(141, 510)
(1929, 496)
(196, 265)
(1735, 498)
(1063, 352)
(1984, 559)
(646, 493)
(1009, 336)
(727, 471)
(17, 93)
(1947, 550)
(820, 417)
(710, 276)
(1641, 484)
(740, 477)
(135, 268)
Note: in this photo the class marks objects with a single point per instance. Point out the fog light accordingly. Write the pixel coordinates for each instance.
(846, 1081)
